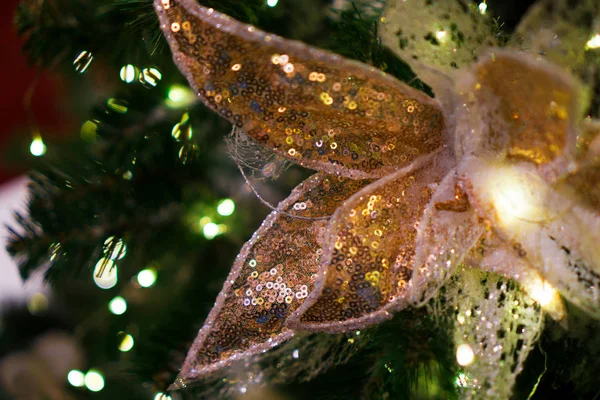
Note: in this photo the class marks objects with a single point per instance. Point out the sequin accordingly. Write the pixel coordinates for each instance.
(357, 286)
(248, 319)
(277, 73)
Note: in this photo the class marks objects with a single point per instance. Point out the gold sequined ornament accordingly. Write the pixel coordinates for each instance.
(492, 166)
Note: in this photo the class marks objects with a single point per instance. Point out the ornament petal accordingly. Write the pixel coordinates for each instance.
(494, 255)
(270, 278)
(436, 38)
(496, 325)
(560, 30)
(521, 107)
(368, 252)
(448, 231)
(554, 233)
(315, 108)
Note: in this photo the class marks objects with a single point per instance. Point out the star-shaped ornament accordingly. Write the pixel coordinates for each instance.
(491, 188)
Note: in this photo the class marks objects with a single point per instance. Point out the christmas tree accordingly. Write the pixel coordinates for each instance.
(447, 247)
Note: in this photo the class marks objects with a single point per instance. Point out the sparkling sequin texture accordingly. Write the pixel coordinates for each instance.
(270, 278)
(313, 107)
(369, 252)
(529, 106)
(498, 172)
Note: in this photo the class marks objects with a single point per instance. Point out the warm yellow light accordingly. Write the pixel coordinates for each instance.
(94, 380)
(105, 273)
(226, 207)
(440, 35)
(204, 221)
(117, 306)
(76, 378)
(37, 147)
(162, 396)
(544, 293)
(147, 277)
(464, 355)
(37, 304)
(210, 230)
(594, 42)
(482, 7)
(126, 342)
(516, 196)
(180, 96)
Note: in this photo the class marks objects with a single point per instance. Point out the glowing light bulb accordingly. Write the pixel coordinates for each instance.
(226, 207)
(147, 277)
(37, 304)
(162, 396)
(179, 96)
(594, 42)
(210, 230)
(76, 378)
(127, 342)
(516, 195)
(117, 306)
(482, 7)
(105, 273)
(37, 147)
(464, 355)
(440, 35)
(119, 249)
(128, 73)
(94, 381)
(544, 293)
(272, 3)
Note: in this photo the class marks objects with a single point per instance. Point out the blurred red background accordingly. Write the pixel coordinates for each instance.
(47, 102)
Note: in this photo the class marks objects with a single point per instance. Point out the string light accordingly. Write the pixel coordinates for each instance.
(76, 378)
(440, 35)
(83, 61)
(544, 293)
(226, 207)
(37, 147)
(126, 343)
(128, 73)
(147, 277)
(210, 230)
(94, 381)
(482, 7)
(162, 396)
(179, 96)
(272, 3)
(105, 273)
(516, 195)
(119, 249)
(594, 42)
(37, 304)
(88, 130)
(150, 77)
(117, 306)
(117, 105)
(464, 355)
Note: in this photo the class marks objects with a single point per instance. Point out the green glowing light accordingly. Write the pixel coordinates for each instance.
(226, 207)
(147, 277)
